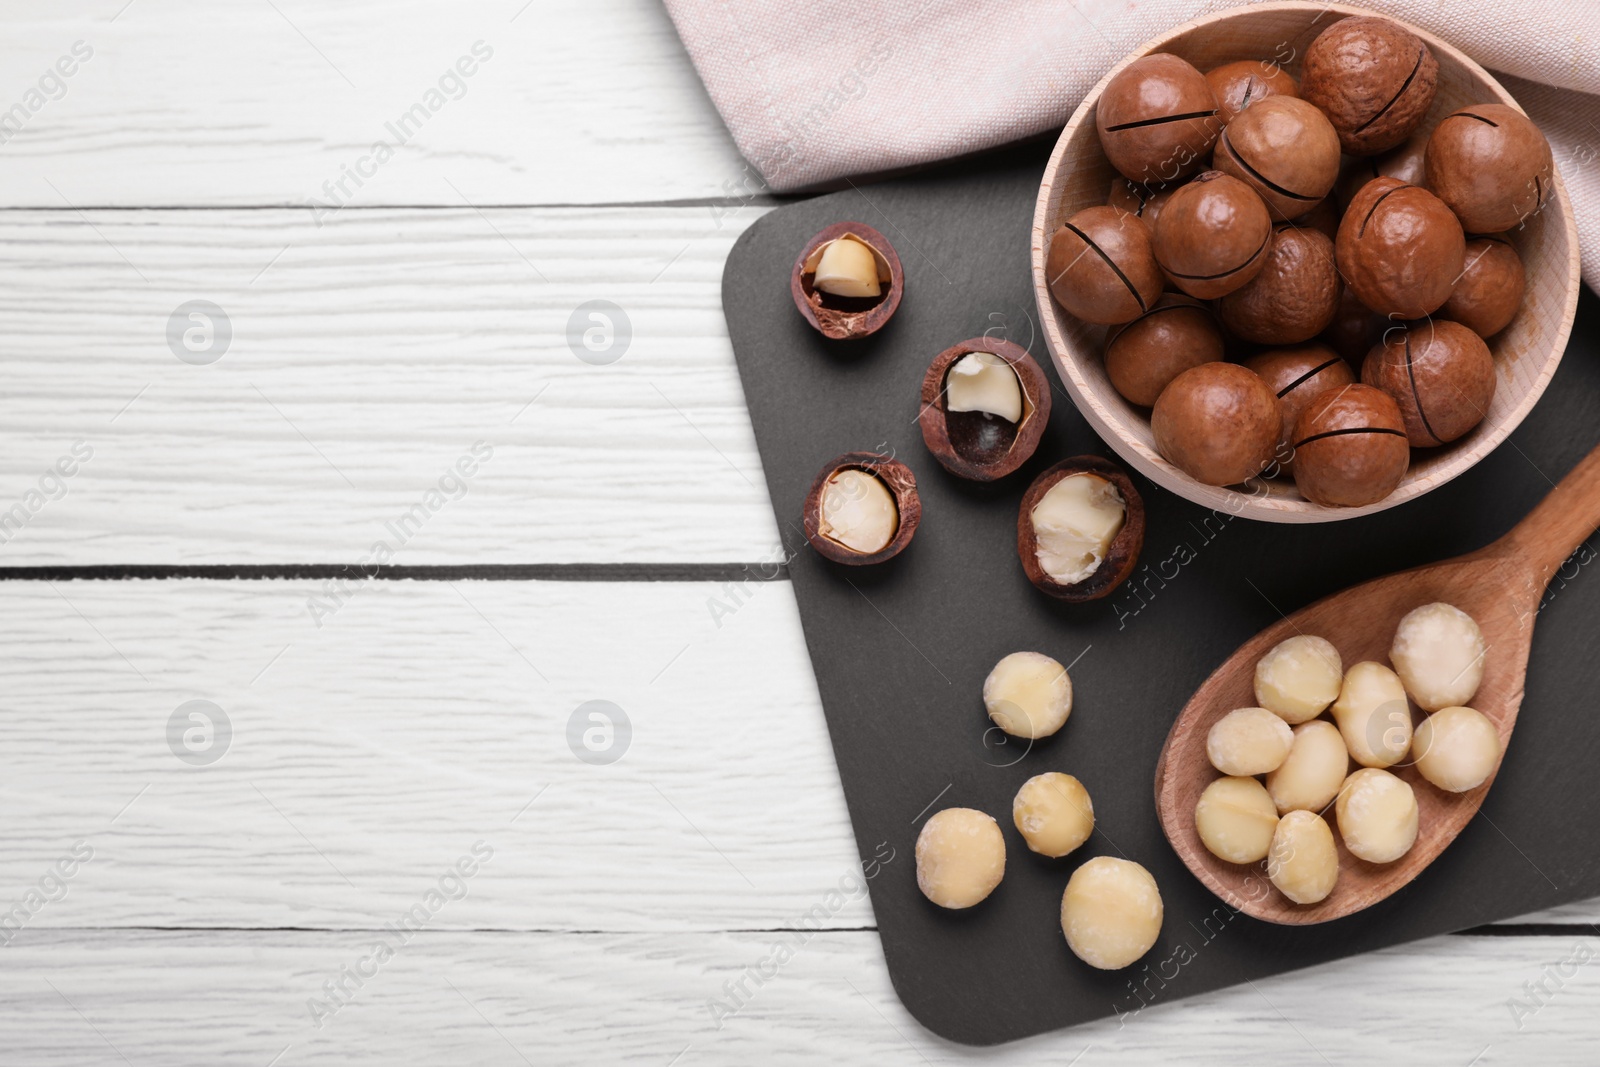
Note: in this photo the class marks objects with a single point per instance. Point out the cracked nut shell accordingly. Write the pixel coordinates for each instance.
(1373, 78)
(1490, 165)
(976, 444)
(1400, 249)
(1212, 235)
(845, 317)
(1440, 374)
(1238, 85)
(1143, 356)
(1284, 149)
(1218, 423)
(1101, 267)
(896, 478)
(1295, 296)
(1296, 376)
(1157, 119)
(1489, 294)
(1350, 447)
(1121, 556)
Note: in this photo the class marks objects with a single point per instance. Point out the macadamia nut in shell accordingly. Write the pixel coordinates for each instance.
(1053, 813)
(1248, 741)
(1028, 694)
(961, 857)
(1438, 653)
(1111, 912)
(1299, 678)
(1236, 819)
(1456, 749)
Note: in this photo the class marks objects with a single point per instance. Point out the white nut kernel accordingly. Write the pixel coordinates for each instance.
(858, 512)
(1377, 815)
(982, 381)
(1074, 524)
(1314, 769)
(1299, 678)
(1303, 862)
(1111, 912)
(1456, 749)
(1438, 654)
(1053, 813)
(1028, 694)
(1373, 715)
(1248, 741)
(1236, 819)
(961, 857)
(847, 266)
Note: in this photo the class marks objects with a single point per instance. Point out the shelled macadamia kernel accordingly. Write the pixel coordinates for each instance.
(961, 857)
(1299, 678)
(1248, 741)
(1053, 813)
(1377, 815)
(1303, 862)
(1310, 776)
(1456, 749)
(1373, 715)
(1438, 654)
(1028, 694)
(1236, 818)
(1111, 912)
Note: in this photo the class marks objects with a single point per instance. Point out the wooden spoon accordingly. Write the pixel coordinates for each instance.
(1500, 586)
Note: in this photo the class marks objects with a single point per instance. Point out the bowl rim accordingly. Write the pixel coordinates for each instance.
(1221, 498)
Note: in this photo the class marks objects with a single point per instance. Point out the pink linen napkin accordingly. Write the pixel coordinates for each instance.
(822, 90)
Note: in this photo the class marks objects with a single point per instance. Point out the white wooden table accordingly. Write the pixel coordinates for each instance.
(229, 896)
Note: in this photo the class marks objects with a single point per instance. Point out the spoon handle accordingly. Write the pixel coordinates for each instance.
(1560, 522)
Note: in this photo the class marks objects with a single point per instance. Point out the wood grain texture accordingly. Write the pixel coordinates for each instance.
(1526, 352)
(367, 356)
(241, 997)
(240, 102)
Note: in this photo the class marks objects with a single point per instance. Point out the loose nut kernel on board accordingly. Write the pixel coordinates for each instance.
(1456, 749)
(1248, 741)
(961, 857)
(847, 267)
(1299, 678)
(982, 381)
(1438, 654)
(1310, 776)
(1377, 815)
(1303, 862)
(1236, 819)
(1028, 694)
(1053, 813)
(1111, 912)
(1074, 524)
(858, 512)
(1373, 715)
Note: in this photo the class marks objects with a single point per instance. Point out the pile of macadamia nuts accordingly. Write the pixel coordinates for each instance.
(1436, 660)
(1111, 909)
(1347, 254)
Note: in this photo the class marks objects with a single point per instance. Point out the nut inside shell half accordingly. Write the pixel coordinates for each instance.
(842, 303)
(1068, 543)
(978, 443)
(847, 513)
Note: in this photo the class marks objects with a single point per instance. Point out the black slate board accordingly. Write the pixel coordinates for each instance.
(901, 650)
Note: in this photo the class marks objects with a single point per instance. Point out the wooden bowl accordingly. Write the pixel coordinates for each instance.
(1526, 352)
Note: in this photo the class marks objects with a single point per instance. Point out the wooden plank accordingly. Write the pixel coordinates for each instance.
(241, 997)
(366, 358)
(187, 102)
(368, 755)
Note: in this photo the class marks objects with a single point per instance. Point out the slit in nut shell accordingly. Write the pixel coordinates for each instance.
(1157, 119)
(1297, 375)
(1143, 356)
(847, 281)
(985, 405)
(1400, 249)
(1440, 374)
(1248, 81)
(1212, 236)
(1101, 268)
(862, 508)
(1080, 529)
(1350, 447)
(1373, 78)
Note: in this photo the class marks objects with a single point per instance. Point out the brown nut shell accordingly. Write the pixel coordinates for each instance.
(1143, 356)
(1101, 267)
(1284, 149)
(843, 317)
(1489, 293)
(902, 486)
(1218, 423)
(1238, 85)
(1491, 165)
(1355, 328)
(1140, 201)
(1297, 375)
(1295, 296)
(1440, 374)
(1212, 235)
(1350, 447)
(1400, 249)
(1157, 119)
(973, 444)
(1323, 218)
(1403, 162)
(1373, 78)
(1121, 557)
